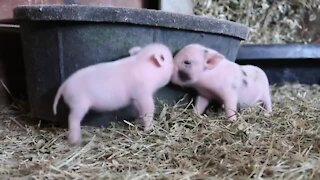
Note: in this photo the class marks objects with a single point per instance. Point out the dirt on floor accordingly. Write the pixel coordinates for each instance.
(183, 145)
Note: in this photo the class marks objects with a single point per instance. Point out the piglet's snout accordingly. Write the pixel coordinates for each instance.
(183, 76)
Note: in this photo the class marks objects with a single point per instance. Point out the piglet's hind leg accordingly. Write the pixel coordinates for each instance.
(75, 117)
(267, 102)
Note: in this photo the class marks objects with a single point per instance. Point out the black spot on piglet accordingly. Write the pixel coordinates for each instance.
(162, 58)
(244, 73)
(245, 82)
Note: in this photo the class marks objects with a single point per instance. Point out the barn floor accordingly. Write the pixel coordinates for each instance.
(284, 145)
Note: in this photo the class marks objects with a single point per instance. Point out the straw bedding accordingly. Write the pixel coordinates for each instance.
(183, 145)
(270, 21)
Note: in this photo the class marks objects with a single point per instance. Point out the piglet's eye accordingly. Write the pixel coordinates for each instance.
(187, 62)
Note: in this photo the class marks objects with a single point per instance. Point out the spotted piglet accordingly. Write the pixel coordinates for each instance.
(216, 78)
(112, 85)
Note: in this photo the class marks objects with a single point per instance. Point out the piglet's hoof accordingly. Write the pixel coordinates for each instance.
(74, 141)
(232, 118)
(267, 114)
(148, 127)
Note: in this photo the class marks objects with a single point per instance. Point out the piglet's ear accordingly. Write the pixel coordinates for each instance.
(133, 51)
(158, 59)
(212, 59)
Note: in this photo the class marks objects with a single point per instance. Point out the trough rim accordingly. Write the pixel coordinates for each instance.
(290, 51)
(137, 16)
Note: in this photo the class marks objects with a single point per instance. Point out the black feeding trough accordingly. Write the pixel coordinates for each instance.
(57, 40)
(284, 63)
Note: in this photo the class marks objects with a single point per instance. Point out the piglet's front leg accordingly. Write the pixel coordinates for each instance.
(146, 108)
(230, 107)
(201, 104)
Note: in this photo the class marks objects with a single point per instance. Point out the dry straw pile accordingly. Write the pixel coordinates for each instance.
(271, 21)
(285, 145)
